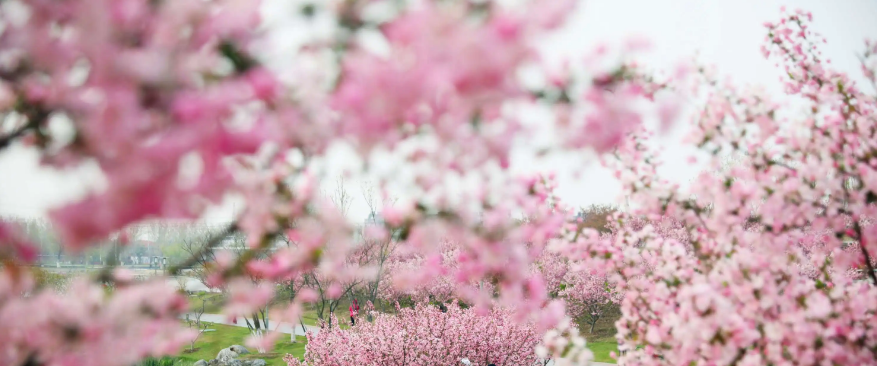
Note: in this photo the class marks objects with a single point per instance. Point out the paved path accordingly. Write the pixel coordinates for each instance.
(283, 328)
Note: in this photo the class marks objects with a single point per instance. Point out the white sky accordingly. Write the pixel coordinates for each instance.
(727, 34)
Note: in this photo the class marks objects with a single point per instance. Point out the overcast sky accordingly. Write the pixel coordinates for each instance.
(727, 34)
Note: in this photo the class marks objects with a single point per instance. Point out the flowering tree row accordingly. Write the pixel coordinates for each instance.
(425, 335)
(405, 266)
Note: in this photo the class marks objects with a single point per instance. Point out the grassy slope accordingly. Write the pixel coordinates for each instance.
(210, 343)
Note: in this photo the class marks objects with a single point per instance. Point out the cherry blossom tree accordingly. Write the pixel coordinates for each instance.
(400, 281)
(428, 276)
(424, 335)
(588, 297)
(774, 264)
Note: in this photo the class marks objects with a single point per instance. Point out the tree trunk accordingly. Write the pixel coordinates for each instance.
(256, 324)
(321, 308)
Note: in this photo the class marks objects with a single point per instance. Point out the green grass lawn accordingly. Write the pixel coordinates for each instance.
(601, 351)
(210, 343)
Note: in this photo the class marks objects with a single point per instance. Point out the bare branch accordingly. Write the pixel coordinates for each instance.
(368, 193)
(341, 197)
(208, 247)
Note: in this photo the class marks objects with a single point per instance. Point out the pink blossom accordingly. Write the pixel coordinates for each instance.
(13, 245)
(307, 295)
(334, 291)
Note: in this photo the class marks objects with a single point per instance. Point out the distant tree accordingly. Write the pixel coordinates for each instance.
(378, 248)
(195, 244)
(588, 297)
(597, 217)
(193, 321)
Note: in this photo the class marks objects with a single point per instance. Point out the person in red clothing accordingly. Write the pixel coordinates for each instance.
(354, 310)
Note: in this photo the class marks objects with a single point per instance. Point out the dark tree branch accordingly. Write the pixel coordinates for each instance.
(861, 239)
(871, 273)
(7, 140)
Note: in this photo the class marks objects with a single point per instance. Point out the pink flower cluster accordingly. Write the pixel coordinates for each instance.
(424, 277)
(424, 335)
